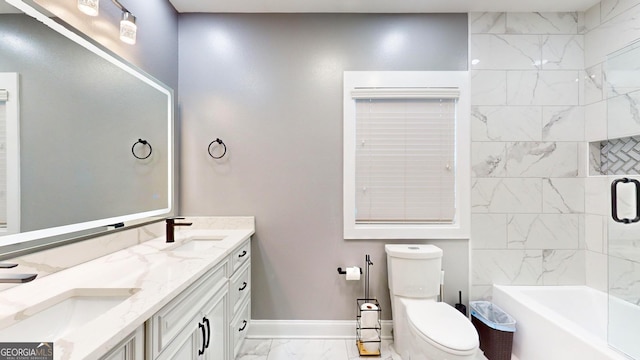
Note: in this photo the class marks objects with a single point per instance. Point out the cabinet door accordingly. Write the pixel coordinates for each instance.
(186, 347)
(132, 348)
(215, 314)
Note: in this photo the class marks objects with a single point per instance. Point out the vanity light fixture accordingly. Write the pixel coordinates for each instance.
(89, 7)
(128, 27)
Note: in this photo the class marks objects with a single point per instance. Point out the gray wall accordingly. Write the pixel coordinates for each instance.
(270, 86)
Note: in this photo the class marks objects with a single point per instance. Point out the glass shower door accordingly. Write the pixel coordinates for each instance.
(620, 162)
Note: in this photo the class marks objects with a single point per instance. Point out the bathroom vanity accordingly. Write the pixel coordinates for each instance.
(184, 300)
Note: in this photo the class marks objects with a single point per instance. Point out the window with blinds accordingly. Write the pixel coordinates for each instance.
(405, 155)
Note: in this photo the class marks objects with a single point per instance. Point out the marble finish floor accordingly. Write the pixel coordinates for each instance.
(306, 349)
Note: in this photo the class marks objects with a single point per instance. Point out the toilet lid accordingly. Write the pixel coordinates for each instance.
(443, 325)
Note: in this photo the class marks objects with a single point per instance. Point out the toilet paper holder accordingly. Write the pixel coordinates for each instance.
(344, 272)
(368, 326)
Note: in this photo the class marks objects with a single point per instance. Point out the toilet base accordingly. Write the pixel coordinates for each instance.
(420, 350)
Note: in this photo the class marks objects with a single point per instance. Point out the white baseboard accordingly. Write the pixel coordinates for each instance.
(309, 329)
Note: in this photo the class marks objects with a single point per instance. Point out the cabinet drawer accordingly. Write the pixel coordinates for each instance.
(173, 317)
(240, 327)
(240, 287)
(240, 256)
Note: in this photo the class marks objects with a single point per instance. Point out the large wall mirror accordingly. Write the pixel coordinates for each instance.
(72, 115)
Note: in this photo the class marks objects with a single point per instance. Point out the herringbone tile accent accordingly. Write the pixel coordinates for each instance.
(620, 156)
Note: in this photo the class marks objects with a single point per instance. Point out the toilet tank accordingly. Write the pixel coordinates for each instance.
(414, 270)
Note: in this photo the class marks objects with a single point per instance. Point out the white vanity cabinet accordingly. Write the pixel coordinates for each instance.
(192, 326)
(204, 337)
(131, 348)
(240, 307)
(240, 297)
(210, 319)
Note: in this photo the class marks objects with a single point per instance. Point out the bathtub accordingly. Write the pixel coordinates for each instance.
(557, 322)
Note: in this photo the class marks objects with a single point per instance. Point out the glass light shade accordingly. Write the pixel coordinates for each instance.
(128, 28)
(89, 7)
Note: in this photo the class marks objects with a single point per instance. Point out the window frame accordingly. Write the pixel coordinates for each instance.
(459, 229)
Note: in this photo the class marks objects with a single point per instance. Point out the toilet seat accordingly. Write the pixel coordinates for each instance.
(442, 326)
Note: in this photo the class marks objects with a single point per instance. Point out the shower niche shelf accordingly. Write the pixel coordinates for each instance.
(619, 156)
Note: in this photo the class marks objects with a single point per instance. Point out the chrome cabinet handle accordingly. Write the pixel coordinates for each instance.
(614, 200)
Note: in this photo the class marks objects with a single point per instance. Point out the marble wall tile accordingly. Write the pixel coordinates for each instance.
(487, 22)
(542, 159)
(583, 159)
(542, 23)
(507, 267)
(596, 196)
(595, 120)
(543, 231)
(582, 26)
(612, 8)
(595, 159)
(595, 270)
(611, 36)
(623, 115)
(594, 233)
(564, 52)
(543, 87)
(623, 279)
(563, 195)
(563, 267)
(626, 246)
(581, 229)
(505, 52)
(481, 292)
(620, 78)
(488, 87)
(593, 90)
(489, 231)
(563, 123)
(506, 123)
(488, 159)
(527, 92)
(507, 195)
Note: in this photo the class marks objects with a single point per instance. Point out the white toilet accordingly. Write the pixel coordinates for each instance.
(424, 329)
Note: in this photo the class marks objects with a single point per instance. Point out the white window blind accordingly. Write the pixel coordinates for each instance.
(405, 155)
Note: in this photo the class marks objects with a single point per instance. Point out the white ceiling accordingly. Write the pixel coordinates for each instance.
(380, 6)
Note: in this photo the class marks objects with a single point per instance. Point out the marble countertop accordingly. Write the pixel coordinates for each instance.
(155, 272)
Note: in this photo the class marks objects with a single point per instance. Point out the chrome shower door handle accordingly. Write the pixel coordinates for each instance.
(614, 200)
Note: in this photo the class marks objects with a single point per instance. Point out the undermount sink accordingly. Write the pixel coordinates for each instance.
(196, 244)
(57, 317)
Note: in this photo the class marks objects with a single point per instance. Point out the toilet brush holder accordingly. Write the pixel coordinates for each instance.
(368, 328)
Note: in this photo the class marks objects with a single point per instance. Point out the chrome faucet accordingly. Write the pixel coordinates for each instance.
(15, 278)
(171, 224)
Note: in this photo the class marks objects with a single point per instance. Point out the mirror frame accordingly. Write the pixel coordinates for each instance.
(31, 241)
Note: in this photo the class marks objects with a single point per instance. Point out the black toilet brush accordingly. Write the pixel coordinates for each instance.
(460, 306)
